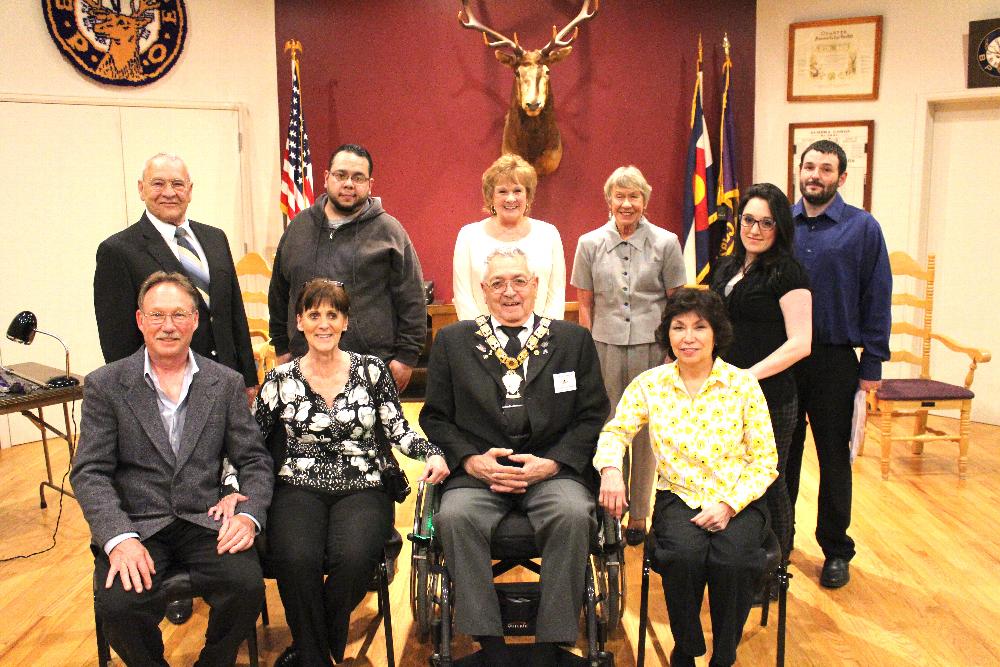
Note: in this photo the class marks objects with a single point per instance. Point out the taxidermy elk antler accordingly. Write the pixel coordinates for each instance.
(530, 127)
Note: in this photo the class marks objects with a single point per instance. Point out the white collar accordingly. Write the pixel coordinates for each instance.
(166, 229)
(528, 327)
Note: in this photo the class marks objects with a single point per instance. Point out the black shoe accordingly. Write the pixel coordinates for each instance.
(836, 573)
(288, 658)
(635, 536)
(680, 659)
(179, 611)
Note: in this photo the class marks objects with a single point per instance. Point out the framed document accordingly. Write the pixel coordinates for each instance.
(856, 137)
(834, 60)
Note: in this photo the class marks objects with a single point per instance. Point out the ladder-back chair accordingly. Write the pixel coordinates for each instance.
(253, 269)
(914, 397)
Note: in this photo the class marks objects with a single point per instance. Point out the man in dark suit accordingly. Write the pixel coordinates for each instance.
(154, 430)
(165, 240)
(516, 402)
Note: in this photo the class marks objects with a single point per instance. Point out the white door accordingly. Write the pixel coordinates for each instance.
(70, 173)
(962, 230)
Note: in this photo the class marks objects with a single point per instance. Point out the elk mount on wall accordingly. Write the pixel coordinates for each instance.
(530, 128)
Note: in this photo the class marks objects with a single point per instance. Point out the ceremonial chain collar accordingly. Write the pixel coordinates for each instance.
(530, 347)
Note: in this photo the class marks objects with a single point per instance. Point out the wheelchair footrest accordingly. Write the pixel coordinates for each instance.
(518, 607)
(522, 655)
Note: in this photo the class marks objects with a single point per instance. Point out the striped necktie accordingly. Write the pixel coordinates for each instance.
(192, 263)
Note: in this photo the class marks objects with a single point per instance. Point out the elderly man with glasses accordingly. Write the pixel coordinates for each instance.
(516, 402)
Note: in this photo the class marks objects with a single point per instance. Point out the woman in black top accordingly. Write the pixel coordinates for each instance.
(767, 293)
(330, 516)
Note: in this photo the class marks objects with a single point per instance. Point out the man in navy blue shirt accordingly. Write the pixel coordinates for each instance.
(844, 253)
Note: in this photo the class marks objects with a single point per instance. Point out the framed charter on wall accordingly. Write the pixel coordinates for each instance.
(856, 137)
(833, 60)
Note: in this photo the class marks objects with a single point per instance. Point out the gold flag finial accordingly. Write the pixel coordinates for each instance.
(295, 46)
(699, 48)
(725, 44)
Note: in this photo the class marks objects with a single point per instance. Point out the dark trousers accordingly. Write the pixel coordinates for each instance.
(231, 584)
(827, 381)
(312, 535)
(779, 504)
(729, 562)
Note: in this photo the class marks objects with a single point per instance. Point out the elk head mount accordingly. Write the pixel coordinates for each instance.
(530, 127)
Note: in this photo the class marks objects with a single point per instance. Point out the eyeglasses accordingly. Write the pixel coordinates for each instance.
(765, 224)
(357, 179)
(176, 185)
(499, 285)
(177, 317)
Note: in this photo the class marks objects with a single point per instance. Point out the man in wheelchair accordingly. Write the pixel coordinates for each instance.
(516, 402)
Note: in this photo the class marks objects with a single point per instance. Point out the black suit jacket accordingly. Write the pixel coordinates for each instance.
(461, 413)
(127, 258)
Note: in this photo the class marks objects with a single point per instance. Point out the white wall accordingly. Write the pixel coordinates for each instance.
(70, 179)
(229, 57)
(923, 51)
(924, 46)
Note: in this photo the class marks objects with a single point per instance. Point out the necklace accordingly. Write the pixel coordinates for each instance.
(511, 378)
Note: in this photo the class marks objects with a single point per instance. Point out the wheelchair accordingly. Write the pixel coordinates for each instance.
(513, 545)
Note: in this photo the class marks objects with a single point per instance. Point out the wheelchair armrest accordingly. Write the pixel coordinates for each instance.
(611, 531)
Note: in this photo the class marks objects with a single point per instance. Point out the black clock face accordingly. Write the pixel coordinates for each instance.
(989, 53)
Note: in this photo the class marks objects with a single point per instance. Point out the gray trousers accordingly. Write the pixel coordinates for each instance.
(561, 511)
(620, 364)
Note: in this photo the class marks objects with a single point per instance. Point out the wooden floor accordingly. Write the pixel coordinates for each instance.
(925, 587)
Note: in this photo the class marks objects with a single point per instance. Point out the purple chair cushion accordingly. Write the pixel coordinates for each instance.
(922, 390)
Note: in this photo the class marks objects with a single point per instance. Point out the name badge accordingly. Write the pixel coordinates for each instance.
(564, 382)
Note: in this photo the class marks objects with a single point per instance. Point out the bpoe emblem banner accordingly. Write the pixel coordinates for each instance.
(121, 42)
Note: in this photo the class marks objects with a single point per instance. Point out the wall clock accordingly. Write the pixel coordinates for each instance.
(984, 53)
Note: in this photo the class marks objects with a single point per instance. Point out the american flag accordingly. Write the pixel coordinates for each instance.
(296, 171)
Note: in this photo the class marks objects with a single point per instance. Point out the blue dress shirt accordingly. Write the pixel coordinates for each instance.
(844, 253)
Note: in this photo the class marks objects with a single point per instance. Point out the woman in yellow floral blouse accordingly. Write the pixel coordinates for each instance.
(715, 457)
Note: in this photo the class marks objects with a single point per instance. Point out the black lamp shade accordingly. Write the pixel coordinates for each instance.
(22, 327)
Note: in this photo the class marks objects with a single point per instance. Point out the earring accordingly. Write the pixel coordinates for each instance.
(493, 209)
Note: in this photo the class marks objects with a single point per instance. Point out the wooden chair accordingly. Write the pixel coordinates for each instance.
(254, 267)
(916, 396)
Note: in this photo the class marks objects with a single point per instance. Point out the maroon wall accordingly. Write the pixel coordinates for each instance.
(428, 99)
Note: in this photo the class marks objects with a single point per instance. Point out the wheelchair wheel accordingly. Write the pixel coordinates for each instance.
(421, 594)
(615, 593)
(609, 572)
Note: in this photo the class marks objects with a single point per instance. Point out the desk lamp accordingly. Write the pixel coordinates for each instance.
(22, 330)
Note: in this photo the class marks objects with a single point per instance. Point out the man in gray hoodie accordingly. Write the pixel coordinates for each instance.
(348, 237)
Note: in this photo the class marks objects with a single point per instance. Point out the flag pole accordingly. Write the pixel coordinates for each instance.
(295, 47)
(296, 168)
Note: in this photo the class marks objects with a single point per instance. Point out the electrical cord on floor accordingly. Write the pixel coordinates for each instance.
(62, 485)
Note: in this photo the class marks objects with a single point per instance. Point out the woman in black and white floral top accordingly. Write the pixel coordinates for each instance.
(330, 514)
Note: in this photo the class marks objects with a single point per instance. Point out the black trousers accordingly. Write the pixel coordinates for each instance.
(779, 504)
(729, 562)
(231, 584)
(827, 381)
(312, 535)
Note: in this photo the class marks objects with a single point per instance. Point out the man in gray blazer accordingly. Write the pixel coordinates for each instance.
(154, 430)
(516, 402)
